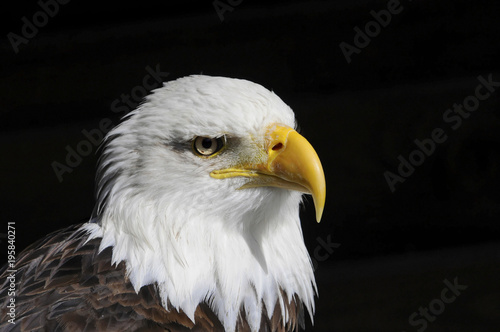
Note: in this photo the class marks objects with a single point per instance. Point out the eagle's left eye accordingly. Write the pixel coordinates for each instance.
(208, 146)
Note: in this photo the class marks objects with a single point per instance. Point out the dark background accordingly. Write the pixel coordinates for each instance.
(392, 250)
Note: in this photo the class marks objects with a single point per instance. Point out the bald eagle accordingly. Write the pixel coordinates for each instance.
(196, 223)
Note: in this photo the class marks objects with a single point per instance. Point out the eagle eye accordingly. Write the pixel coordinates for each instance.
(208, 146)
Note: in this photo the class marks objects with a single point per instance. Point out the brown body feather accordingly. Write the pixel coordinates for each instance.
(64, 284)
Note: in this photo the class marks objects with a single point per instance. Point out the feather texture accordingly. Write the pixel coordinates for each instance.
(75, 288)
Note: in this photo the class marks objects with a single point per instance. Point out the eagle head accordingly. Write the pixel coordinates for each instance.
(198, 191)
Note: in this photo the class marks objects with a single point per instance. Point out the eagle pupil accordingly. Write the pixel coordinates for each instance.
(206, 143)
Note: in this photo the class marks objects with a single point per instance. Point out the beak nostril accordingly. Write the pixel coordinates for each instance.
(278, 146)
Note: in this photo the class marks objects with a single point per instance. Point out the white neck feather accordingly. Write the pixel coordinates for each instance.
(195, 257)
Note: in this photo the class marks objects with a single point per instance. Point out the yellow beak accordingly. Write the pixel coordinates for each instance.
(290, 162)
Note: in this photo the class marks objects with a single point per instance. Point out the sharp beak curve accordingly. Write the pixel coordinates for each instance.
(290, 162)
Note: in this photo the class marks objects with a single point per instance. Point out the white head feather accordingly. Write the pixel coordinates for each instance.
(199, 238)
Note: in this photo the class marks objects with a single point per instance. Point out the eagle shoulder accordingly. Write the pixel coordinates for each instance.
(63, 283)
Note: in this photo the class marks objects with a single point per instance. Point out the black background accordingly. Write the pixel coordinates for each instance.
(392, 249)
